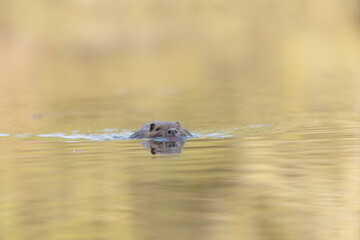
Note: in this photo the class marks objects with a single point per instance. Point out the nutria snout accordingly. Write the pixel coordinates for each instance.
(172, 132)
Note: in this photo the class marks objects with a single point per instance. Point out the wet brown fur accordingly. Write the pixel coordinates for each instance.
(161, 129)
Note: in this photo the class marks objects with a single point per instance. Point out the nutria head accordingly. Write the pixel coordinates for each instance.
(161, 129)
(165, 129)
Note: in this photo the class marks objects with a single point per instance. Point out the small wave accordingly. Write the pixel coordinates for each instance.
(76, 136)
(231, 133)
(23, 135)
(89, 136)
(213, 135)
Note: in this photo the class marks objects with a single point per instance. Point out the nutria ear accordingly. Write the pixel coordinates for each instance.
(152, 126)
(178, 123)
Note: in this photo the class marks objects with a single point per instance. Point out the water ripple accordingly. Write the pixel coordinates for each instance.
(115, 134)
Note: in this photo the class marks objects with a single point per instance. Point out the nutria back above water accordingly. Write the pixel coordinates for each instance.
(158, 129)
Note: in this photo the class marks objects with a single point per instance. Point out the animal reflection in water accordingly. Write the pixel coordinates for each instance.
(158, 147)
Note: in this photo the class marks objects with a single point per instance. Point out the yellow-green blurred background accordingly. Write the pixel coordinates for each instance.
(230, 62)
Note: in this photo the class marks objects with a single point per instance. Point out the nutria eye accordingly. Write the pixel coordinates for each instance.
(158, 129)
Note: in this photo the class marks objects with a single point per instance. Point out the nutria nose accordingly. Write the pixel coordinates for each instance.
(174, 131)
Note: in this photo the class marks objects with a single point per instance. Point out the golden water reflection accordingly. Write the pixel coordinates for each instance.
(281, 186)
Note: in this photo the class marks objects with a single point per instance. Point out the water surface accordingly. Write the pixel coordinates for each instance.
(270, 91)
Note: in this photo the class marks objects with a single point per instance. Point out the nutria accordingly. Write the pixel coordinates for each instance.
(161, 129)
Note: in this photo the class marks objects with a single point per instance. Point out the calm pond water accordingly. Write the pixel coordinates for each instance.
(273, 103)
